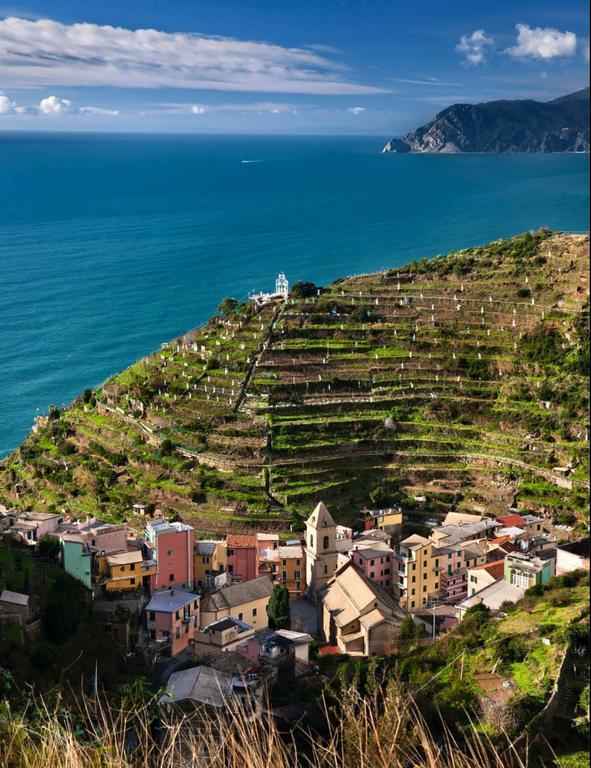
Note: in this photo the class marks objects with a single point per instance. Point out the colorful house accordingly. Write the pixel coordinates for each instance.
(291, 569)
(389, 520)
(481, 576)
(246, 601)
(31, 527)
(525, 571)
(453, 581)
(242, 555)
(76, 557)
(171, 546)
(376, 561)
(418, 576)
(172, 618)
(125, 572)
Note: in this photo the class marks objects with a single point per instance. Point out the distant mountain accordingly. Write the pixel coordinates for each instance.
(560, 125)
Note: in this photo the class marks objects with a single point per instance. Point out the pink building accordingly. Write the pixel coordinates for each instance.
(376, 562)
(172, 619)
(172, 549)
(453, 577)
(242, 554)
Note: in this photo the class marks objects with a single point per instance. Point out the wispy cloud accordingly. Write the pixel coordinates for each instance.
(542, 43)
(46, 52)
(432, 81)
(184, 108)
(356, 110)
(475, 47)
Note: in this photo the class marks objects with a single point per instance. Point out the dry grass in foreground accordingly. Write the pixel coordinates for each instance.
(382, 731)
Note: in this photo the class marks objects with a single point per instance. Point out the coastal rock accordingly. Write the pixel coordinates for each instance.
(561, 125)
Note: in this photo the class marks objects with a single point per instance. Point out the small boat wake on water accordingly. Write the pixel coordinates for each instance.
(246, 162)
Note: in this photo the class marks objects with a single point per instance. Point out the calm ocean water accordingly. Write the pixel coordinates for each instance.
(110, 245)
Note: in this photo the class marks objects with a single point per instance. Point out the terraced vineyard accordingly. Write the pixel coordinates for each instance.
(461, 379)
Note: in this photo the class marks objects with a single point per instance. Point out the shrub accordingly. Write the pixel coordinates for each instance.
(227, 306)
(303, 289)
(279, 608)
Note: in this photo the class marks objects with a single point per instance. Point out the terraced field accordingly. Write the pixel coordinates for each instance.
(461, 379)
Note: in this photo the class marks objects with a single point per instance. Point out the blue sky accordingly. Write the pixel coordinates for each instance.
(374, 67)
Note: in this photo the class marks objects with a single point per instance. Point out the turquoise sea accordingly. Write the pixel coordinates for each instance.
(110, 245)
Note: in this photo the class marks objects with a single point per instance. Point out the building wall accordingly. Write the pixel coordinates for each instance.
(291, 573)
(204, 564)
(242, 563)
(567, 561)
(381, 639)
(379, 569)
(253, 613)
(181, 633)
(477, 580)
(77, 561)
(174, 556)
(108, 541)
(422, 569)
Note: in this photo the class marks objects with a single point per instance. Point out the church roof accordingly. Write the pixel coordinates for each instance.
(320, 517)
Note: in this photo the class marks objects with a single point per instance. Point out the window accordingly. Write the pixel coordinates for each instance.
(449, 568)
(230, 552)
(284, 575)
(371, 562)
(170, 552)
(230, 569)
(241, 617)
(297, 562)
(412, 605)
(152, 615)
(412, 591)
(325, 542)
(436, 585)
(297, 575)
(449, 555)
(132, 567)
(195, 604)
(371, 575)
(254, 611)
(425, 588)
(132, 581)
(171, 576)
(437, 562)
(177, 615)
(414, 579)
(325, 569)
(311, 542)
(284, 563)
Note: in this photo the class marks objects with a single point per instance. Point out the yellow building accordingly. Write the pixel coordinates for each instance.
(246, 601)
(125, 571)
(291, 569)
(418, 575)
(209, 557)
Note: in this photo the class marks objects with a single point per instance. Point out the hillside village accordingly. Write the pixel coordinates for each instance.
(207, 600)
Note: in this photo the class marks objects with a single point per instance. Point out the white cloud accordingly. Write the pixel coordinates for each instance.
(356, 110)
(46, 52)
(97, 111)
(475, 47)
(6, 105)
(197, 109)
(542, 43)
(52, 105)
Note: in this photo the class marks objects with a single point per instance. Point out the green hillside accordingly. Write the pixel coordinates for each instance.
(461, 379)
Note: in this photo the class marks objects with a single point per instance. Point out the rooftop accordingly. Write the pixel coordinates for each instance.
(495, 569)
(16, 598)
(170, 601)
(125, 558)
(236, 541)
(320, 517)
(238, 594)
(494, 595)
(508, 521)
(580, 547)
(203, 685)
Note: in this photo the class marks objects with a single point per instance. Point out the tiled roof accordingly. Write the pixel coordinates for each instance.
(495, 569)
(238, 594)
(237, 541)
(508, 521)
